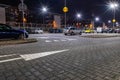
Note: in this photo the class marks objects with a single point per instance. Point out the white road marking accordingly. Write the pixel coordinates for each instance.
(63, 40)
(71, 39)
(43, 37)
(8, 60)
(48, 41)
(56, 40)
(28, 57)
(7, 55)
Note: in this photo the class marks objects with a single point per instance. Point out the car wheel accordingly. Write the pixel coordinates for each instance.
(80, 33)
(65, 34)
(72, 33)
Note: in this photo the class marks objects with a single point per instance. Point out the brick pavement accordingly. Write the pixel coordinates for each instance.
(87, 59)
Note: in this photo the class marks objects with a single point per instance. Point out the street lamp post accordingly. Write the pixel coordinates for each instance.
(23, 7)
(97, 19)
(65, 10)
(44, 11)
(78, 15)
(114, 6)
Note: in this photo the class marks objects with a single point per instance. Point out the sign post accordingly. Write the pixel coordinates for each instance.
(65, 10)
(22, 7)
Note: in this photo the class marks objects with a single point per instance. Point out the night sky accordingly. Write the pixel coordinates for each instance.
(85, 7)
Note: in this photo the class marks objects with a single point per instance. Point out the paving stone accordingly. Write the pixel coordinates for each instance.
(87, 59)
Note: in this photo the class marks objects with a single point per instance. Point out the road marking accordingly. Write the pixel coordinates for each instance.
(56, 40)
(7, 55)
(43, 37)
(71, 39)
(48, 41)
(28, 57)
(8, 60)
(63, 40)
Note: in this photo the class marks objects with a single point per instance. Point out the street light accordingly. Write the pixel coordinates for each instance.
(97, 19)
(44, 10)
(78, 15)
(109, 21)
(113, 6)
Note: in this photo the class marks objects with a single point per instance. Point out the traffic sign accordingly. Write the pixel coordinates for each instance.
(114, 20)
(24, 8)
(65, 9)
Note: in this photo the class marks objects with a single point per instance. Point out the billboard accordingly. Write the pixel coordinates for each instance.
(2, 15)
(57, 21)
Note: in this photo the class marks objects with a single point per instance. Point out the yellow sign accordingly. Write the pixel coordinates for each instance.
(65, 9)
(114, 20)
(24, 19)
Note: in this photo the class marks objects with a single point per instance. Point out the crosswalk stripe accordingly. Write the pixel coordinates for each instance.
(63, 40)
(48, 41)
(71, 39)
(56, 40)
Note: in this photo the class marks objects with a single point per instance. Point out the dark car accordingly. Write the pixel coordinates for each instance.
(8, 32)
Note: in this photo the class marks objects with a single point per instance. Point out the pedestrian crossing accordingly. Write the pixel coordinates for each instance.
(55, 39)
(60, 40)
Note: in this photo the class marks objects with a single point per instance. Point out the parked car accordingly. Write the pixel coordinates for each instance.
(99, 30)
(51, 30)
(7, 31)
(117, 30)
(38, 31)
(72, 31)
(89, 31)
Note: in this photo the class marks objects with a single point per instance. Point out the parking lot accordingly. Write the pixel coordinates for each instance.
(60, 57)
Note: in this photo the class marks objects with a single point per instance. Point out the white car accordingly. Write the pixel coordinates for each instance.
(72, 31)
(39, 31)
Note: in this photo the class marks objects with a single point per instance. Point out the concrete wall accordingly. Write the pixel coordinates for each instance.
(2, 15)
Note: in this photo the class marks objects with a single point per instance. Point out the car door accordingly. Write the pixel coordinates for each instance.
(12, 32)
(9, 32)
(2, 32)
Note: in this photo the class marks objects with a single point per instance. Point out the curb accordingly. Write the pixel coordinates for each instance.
(13, 42)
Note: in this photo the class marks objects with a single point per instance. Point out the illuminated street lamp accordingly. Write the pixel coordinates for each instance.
(78, 15)
(44, 10)
(97, 19)
(109, 21)
(113, 6)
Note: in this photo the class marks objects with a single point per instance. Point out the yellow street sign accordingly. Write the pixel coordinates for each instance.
(65, 9)
(114, 20)
(24, 19)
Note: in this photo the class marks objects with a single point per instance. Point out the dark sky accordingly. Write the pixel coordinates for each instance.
(86, 7)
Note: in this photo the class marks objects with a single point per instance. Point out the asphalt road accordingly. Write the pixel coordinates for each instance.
(59, 57)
